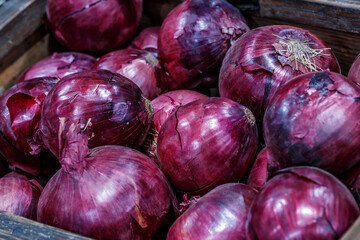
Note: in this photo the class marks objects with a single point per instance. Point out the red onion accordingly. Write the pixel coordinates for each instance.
(140, 66)
(354, 72)
(301, 203)
(109, 192)
(20, 140)
(59, 65)
(220, 214)
(313, 121)
(164, 105)
(93, 25)
(119, 113)
(206, 143)
(19, 195)
(194, 38)
(266, 58)
(352, 180)
(147, 39)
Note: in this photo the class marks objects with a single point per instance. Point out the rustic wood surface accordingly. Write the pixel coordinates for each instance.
(354, 232)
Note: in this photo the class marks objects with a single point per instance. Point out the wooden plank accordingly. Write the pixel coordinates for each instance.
(14, 227)
(353, 232)
(333, 14)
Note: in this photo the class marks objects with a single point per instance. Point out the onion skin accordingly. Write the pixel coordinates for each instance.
(220, 214)
(140, 66)
(19, 195)
(253, 69)
(58, 65)
(301, 203)
(206, 143)
(94, 26)
(119, 113)
(313, 121)
(20, 139)
(351, 179)
(194, 38)
(354, 72)
(147, 39)
(119, 194)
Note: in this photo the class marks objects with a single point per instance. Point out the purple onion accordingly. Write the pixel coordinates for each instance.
(301, 203)
(354, 72)
(351, 179)
(206, 143)
(313, 121)
(194, 38)
(58, 65)
(220, 214)
(147, 39)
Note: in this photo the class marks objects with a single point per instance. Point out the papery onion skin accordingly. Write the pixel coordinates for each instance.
(220, 214)
(301, 203)
(354, 72)
(19, 195)
(313, 121)
(256, 66)
(58, 65)
(140, 66)
(164, 105)
(94, 26)
(20, 140)
(194, 38)
(147, 39)
(206, 143)
(120, 194)
(119, 113)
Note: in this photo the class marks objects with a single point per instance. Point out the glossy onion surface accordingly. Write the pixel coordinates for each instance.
(264, 59)
(194, 38)
(96, 26)
(220, 214)
(354, 72)
(313, 120)
(206, 143)
(301, 203)
(119, 113)
(147, 39)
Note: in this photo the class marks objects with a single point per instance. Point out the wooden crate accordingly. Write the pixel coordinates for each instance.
(24, 41)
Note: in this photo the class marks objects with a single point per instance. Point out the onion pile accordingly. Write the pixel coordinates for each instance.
(147, 39)
(354, 72)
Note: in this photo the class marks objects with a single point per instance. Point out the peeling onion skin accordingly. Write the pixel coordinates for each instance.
(119, 113)
(140, 66)
(354, 72)
(194, 38)
(220, 214)
(58, 65)
(253, 69)
(93, 26)
(206, 143)
(313, 121)
(301, 203)
(19, 195)
(138, 202)
(20, 139)
(147, 39)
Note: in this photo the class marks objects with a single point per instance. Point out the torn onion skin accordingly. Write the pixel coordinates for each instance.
(265, 58)
(301, 203)
(206, 143)
(220, 214)
(93, 26)
(312, 121)
(119, 113)
(354, 72)
(194, 38)
(147, 39)
(58, 65)
(20, 139)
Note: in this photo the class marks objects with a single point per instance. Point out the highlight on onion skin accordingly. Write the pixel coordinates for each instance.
(94, 26)
(164, 105)
(301, 203)
(313, 121)
(220, 214)
(194, 38)
(140, 66)
(267, 57)
(58, 65)
(119, 113)
(19, 195)
(20, 139)
(206, 143)
(354, 72)
(147, 39)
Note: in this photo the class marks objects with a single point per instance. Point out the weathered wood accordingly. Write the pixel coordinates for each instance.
(333, 14)
(14, 227)
(353, 232)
